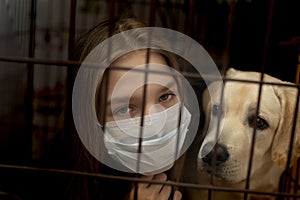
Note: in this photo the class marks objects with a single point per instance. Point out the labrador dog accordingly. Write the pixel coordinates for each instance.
(225, 153)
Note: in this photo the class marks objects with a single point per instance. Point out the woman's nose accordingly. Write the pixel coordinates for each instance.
(153, 108)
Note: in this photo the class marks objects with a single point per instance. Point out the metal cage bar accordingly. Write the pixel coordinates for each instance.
(290, 180)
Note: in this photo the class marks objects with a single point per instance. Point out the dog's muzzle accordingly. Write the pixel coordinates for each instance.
(216, 157)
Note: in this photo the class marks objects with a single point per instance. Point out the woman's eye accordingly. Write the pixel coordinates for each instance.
(166, 97)
(124, 110)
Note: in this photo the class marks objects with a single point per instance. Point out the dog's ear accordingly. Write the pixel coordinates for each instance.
(281, 142)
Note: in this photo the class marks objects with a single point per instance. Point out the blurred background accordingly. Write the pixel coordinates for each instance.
(36, 42)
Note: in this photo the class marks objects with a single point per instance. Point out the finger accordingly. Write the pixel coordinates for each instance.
(145, 185)
(177, 195)
(165, 192)
(158, 177)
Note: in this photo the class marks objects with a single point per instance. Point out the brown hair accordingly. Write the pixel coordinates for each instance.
(105, 29)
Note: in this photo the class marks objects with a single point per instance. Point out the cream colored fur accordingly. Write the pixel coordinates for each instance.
(277, 105)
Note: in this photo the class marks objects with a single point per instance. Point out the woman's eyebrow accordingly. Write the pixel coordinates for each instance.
(170, 85)
(125, 99)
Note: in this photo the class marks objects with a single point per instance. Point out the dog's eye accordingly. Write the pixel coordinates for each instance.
(217, 110)
(261, 124)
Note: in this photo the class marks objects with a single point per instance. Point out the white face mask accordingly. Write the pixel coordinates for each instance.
(159, 140)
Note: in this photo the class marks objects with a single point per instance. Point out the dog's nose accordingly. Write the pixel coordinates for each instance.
(221, 155)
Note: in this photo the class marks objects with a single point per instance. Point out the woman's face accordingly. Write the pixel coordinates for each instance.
(126, 86)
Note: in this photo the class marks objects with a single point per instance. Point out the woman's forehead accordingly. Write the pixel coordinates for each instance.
(122, 80)
(131, 68)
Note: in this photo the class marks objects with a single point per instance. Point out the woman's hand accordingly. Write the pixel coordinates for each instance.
(154, 191)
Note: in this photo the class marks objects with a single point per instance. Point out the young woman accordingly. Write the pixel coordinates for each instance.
(141, 118)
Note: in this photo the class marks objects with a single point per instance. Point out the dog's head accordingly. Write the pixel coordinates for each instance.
(273, 124)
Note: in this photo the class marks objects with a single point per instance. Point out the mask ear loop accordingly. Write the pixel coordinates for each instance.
(98, 124)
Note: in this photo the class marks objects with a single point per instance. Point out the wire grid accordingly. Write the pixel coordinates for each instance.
(289, 184)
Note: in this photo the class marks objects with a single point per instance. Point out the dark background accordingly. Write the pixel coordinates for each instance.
(34, 115)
